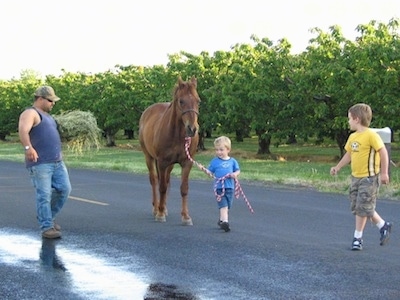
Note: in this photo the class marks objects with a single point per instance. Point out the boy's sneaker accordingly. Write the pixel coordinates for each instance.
(357, 244)
(385, 232)
(225, 226)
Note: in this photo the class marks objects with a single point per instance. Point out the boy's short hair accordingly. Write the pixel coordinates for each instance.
(363, 112)
(224, 141)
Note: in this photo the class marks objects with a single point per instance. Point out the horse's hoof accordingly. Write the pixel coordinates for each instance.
(155, 212)
(187, 222)
(161, 219)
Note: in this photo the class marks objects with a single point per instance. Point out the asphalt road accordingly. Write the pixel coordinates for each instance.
(296, 245)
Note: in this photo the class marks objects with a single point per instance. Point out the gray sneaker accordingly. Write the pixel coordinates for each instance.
(385, 233)
(357, 244)
(51, 234)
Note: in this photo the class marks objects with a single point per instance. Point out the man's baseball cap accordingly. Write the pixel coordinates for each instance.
(46, 92)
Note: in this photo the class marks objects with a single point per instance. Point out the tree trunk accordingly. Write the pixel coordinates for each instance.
(264, 142)
(239, 135)
(341, 139)
(129, 133)
(200, 145)
(110, 137)
(291, 139)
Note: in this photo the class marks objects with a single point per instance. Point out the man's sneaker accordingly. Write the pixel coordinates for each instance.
(51, 234)
(385, 232)
(357, 244)
(225, 226)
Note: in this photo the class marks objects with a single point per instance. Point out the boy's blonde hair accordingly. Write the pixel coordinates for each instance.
(223, 141)
(363, 112)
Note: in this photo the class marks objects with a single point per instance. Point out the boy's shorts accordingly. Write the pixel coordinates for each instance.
(363, 193)
(226, 199)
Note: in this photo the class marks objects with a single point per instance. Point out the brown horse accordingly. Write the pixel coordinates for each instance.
(163, 128)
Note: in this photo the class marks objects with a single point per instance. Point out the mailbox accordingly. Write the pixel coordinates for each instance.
(386, 136)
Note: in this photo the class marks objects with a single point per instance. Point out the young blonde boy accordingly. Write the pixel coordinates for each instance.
(225, 169)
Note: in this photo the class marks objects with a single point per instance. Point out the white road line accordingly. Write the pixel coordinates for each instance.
(88, 201)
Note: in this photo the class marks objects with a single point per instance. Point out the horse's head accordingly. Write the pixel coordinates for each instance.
(186, 101)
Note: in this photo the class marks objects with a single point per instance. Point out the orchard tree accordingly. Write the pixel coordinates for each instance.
(270, 105)
(147, 85)
(15, 96)
(339, 73)
(233, 83)
(376, 59)
(212, 111)
(76, 90)
(328, 84)
(112, 105)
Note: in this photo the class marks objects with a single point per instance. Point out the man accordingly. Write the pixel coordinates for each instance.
(43, 157)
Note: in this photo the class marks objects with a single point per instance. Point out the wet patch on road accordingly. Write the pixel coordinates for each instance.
(89, 276)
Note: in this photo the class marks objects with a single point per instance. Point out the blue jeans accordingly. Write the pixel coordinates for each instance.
(52, 186)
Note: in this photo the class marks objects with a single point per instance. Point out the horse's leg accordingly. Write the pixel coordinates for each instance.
(163, 181)
(153, 178)
(186, 219)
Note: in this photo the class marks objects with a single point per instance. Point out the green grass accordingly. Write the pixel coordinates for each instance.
(304, 165)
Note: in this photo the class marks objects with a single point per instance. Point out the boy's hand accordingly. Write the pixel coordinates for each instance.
(233, 175)
(385, 178)
(334, 170)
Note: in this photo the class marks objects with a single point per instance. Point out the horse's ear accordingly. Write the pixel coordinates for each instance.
(180, 81)
(194, 81)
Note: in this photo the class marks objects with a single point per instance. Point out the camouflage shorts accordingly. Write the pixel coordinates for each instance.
(363, 193)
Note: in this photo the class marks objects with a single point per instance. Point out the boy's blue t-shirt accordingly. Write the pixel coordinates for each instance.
(220, 168)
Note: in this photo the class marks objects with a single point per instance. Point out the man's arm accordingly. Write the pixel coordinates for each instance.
(27, 120)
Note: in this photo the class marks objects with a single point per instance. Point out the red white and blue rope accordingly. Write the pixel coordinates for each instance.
(238, 188)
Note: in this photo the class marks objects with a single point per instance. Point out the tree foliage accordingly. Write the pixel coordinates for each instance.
(255, 87)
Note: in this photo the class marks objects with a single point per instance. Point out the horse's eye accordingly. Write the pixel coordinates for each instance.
(181, 102)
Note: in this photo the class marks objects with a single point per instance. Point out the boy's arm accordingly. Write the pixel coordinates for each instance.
(236, 173)
(346, 159)
(384, 165)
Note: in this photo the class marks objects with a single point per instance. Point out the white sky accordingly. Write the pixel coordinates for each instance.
(93, 36)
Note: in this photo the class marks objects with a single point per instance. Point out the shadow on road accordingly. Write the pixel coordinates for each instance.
(48, 255)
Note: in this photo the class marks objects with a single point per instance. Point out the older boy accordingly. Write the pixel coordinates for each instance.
(369, 164)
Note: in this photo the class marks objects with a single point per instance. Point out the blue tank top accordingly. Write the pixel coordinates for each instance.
(46, 140)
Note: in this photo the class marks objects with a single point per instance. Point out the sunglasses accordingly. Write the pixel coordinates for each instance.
(51, 101)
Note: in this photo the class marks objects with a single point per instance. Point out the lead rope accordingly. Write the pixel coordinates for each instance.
(238, 188)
